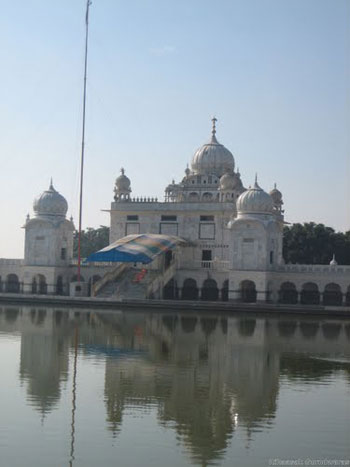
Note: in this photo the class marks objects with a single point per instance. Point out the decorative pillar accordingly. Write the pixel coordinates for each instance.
(26, 288)
(234, 295)
(343, 299)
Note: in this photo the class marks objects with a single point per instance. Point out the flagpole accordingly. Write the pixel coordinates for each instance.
(88, 3)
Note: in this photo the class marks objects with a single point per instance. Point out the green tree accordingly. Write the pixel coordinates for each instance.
(312, 243)
(91, 240)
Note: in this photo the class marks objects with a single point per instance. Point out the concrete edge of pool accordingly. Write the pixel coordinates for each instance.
(171, 305)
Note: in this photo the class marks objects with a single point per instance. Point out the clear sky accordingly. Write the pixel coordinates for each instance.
(274, 72)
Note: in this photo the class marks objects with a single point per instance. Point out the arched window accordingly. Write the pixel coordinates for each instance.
(193, 196)
(59, 285)
(310, 294)
(170, 291)
(248, 291)
(288, 293)
(332, 294)
(12, 283)
(210, 290)
(207, 196)
(189, 290)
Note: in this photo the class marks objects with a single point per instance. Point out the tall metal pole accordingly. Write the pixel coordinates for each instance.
(88, 3)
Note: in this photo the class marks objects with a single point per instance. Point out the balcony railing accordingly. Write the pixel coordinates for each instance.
(215, 265)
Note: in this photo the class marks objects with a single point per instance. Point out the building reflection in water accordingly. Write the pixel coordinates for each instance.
(206, 376)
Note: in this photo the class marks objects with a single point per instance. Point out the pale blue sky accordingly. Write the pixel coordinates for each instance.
(274, 72)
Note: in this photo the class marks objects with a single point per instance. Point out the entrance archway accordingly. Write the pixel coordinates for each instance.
(310, 294)
(288, 293)
(210, 290)
(248, 291)
(12, 283)
(170, 290)
(189, 290)
(332, 294)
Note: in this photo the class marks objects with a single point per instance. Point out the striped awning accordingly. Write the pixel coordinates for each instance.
(142, 248)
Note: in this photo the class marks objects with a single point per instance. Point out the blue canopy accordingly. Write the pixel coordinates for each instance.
(142, 248)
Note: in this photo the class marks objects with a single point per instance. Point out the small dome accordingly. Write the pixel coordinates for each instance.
(50, 203)
(230, 181)
(254, 200)
(212, 158)
(122, 183)
(276, 195)
(227, 181)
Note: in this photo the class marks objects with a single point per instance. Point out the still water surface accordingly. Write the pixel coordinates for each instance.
(94, 388)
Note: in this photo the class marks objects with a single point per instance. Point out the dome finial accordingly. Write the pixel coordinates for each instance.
(213, 130)
(51, 184)
(122, 170)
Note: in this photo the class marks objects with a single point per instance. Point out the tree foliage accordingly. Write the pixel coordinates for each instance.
(91, 240)
(312, 243)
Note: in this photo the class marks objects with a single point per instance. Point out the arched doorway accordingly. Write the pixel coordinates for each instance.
(59, 285)
(224, 291)
(170, 290)
(12, 283)
(332, 294)
(189, 290)
(310, 294)
(248, 291)
(288, 293)
(210, 290)
(42, 285)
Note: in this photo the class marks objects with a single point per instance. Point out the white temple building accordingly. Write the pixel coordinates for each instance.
(230, 249)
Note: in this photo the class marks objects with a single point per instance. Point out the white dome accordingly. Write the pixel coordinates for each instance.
(123, 182)
(212, 158)
(230, 181)
(50, 203)
(254, 200)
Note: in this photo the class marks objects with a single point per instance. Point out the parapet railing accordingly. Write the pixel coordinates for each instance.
(11, 262)
(318, 268)
(74, 262)
(216, 265)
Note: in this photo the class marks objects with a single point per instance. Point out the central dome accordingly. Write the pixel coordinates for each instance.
(212, 158)
(50, 203)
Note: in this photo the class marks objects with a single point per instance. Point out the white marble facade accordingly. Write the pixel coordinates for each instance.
(233, 235)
